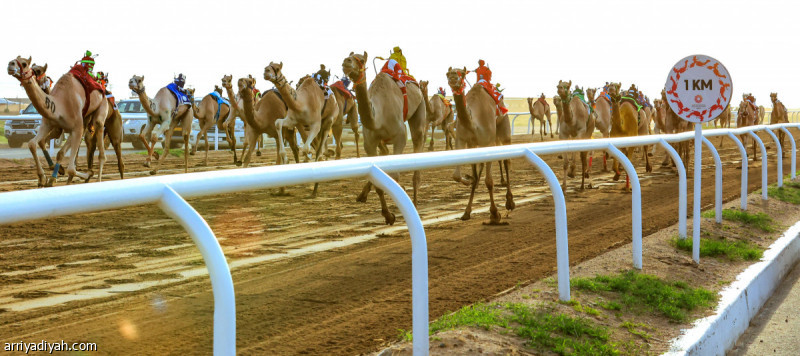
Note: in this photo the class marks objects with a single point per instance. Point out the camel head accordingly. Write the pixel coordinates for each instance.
(226, 81)
(773, 97)
(190, 93)
(590, 94)
(39, 71)
(423, 87)
(530, 102)
(20, 68)
(563, 89)
(557, 101)
(354, 67)
(272, 72)
(455, 78)
(613, 92)
(136, 84)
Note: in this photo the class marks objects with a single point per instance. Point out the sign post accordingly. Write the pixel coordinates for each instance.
(698, 89)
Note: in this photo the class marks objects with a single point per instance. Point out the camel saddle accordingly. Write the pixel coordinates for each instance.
(180, 96)
(401, 81)
(543, 101)
(632, 101)
(340, 87)
(578, 93)
(444, 100)
(495, 94)
(89, 84)
(220, 101)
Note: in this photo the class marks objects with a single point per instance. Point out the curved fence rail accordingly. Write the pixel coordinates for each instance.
(171, 191)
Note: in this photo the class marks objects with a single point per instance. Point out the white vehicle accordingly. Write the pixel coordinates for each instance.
(21, 129)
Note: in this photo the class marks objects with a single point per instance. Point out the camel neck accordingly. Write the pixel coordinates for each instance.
(146, 104)
(364, 105)
(249, 110)
(232, 98)
(39, 99)
(567, 109)
(462, 114)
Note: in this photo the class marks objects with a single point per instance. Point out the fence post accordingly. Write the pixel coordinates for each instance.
(763, 164)
(779, 158)
(218, 271)
(636, 204)
(743, 152)
(717, 179)
(794, 149)
(216, 137)
(562, 242)
(419, 257)
(681, 187)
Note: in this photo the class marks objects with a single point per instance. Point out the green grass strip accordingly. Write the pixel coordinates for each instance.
(761, 221)
(636, 290)
(732, 250)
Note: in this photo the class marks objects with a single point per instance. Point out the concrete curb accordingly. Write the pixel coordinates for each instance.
(741, 301)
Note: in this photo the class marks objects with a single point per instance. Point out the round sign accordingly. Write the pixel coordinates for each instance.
(698, 88)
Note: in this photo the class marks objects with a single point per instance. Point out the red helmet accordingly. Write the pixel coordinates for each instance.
(481, 62)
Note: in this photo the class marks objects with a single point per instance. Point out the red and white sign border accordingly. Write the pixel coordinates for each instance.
(725, 88)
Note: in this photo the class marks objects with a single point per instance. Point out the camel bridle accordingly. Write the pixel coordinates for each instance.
(362, 77)
(137, 90)
(461, 78)
(280, 80)
(22, 77)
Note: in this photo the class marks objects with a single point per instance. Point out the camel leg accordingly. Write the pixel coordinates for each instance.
(101, 148)
(550, 124)
(148, 132)
(502, 178)
(566, 167)
(43, 131)
(510, 205)
(186, 149)
(164, 144)
(387, 215)
(293, 145)
(494, 215)
(648, 167)
(433, 130)
(314, 130)
(279, 125)
(251, 138)
(73, 144)
(477, 175)
(337, 135)
(585, 170)
(91, 146)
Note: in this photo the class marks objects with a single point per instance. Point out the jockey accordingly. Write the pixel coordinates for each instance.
(180, 81)
(322, 76)
(441, 92)
(102, 78)
(88, 62)
(397, 56)
(498, 87)
(484, 75)
(346, 82)
(256, 92)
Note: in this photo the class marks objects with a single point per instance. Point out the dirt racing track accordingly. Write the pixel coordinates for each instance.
(312, 276)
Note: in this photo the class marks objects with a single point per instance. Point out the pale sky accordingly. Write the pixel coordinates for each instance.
(529, 45)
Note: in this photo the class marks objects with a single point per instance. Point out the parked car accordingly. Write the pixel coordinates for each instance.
(134, 120)
(22, 128)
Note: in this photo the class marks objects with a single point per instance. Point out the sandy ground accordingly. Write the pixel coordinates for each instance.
(312, 276)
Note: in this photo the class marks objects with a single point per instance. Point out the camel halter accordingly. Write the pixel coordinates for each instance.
(463, 78)
(362, 78)
(280, 79)
(22, 76)
(139, 92)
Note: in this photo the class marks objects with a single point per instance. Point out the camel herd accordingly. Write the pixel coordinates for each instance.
(315, 112)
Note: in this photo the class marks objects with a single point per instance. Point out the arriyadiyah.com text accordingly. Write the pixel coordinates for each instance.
(49, 347)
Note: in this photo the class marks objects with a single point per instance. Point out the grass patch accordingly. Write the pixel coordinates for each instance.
(732, 250)
(790, 192)
(640, 333)
(636, 290)
(759, 220)
(540, 326)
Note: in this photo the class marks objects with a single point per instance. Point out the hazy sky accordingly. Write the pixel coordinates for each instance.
(529, 45)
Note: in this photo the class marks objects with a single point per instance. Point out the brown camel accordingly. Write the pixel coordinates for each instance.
(114, 132)
(602, 117)
(236, 110)
(307, 107)
(540, 109)
(381, 111)
(63, 109)
(477, 125)
(208, 113)
(778, 116)
(624, 123)
(577, 125)
(439, 114)
(163, 116)
(347, 108)
(674, 124)
(724, 118)
(261, 120)
(559, 112)
(747, 116)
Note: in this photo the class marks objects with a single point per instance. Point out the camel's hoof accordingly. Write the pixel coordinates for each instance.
(153, 172)
(238, 163)
(191, 153)
(510, 205)
(649, 168)
(258, 153)
(560, 157)
(389, 218)
(50, 181)
(156, 155)
(551, 135)
(586, 175)
(571, 174)
(664, 164)
(466, 215)
(147, 164)
(89, 176)
(649, 154)
(492, 221)
(330, 153)
(590, 186)
(616, 176)
(362, 198)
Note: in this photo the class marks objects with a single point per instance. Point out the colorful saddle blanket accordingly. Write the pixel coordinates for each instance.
(444, 100)
(397, 74)
(182, 98)
(88, 83)
(543, 101)
(578, 93)
(220, 101)
(632, 101)
(340, 87)
(495, 94)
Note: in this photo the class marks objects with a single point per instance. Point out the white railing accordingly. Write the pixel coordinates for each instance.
(170, 191)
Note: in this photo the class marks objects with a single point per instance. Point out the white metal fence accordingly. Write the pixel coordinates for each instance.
(170, 191)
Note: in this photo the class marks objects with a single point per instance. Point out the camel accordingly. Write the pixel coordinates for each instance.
(602, 117)
(624, 123)
(724, 118)
(747, 116)
(67, 108)
(674, 124)
(236, 110)
(559, 112)
(577, 125)
(163, 116)
(778, 116)
(477, 125)
(539, 110)
(208, 113)
(439, 114)
(381, 111)
(347, 107)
